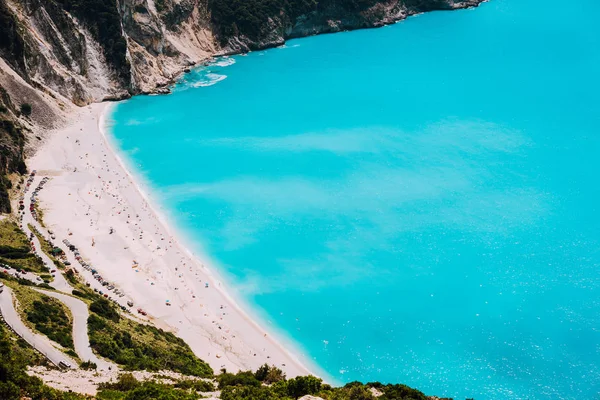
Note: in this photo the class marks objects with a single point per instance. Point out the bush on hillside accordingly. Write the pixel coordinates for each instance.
(26, 109)
(49, 318)
(103, 308)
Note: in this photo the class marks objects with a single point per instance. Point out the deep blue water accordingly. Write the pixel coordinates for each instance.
(417, 203)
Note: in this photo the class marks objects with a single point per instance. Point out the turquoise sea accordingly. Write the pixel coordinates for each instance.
(418, 203)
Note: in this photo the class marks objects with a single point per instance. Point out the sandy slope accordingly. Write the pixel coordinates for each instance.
(89, 193)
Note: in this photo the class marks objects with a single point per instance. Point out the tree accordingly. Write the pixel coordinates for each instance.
(103, 308)
(242, 378)
(269, 374)
(303, 385)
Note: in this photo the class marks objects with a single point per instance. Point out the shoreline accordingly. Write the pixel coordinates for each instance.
(213, 271)
(232, 336)
(165, 88)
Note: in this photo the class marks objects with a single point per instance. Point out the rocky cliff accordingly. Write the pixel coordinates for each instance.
(83, 51)
(242, 26)
(58, 53)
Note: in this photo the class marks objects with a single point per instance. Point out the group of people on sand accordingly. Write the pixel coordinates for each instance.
(162, 263)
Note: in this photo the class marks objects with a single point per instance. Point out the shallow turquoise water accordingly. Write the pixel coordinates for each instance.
(416, 204)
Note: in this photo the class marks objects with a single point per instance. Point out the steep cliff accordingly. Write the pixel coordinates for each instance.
(90, 50)
(249, 25)
(58, 53)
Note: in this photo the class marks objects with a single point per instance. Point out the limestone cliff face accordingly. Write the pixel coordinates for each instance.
(57, 54)
(164, 38)
(56, 45)
(83, 51)
(313, 18)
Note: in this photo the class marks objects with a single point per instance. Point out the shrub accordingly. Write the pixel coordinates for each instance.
(50, 318)
(70, 275)
(242, 378)
(398, 391)
(125, 383)
(153, 390)
(79, 293)
(88, 365)
(15, 384)
(269, 374)
(303, 385)
(143, 347)
(26, 109)
(248, 392)
(103, 308)
(198, 386)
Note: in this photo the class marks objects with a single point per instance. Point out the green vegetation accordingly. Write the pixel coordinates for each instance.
(269, 374)
(25, 109)
(81, 294)
(259, 19)
(103, 308)
(245, 386)
(47, 248)
(40, 214)
(46, 315)
(241, 386)
(15, 384)
(84, 292)
(243, 378)
(88, 365)
(50, 319)
(129, 388)
(12, 238)
(23, 282)
(160, 5)
(15, 250)
(251, 17)
(196, 385)
(137, 346)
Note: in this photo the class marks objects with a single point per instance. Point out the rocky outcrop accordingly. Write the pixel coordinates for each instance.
(165, 37)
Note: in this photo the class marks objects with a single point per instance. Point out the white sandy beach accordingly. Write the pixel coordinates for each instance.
(89, 193)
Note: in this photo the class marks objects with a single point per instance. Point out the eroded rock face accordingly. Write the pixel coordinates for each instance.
(58, 54)
(89, 50)
(165, 37)
(54, 47)
(272, 27)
